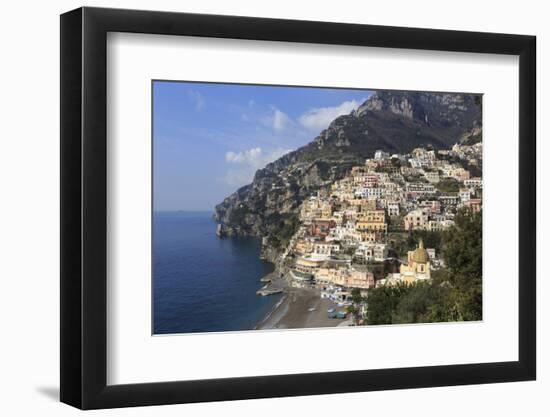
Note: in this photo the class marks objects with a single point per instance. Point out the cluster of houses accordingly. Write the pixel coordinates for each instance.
(344, 228)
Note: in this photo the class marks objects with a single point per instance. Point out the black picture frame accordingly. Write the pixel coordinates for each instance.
(84, 207)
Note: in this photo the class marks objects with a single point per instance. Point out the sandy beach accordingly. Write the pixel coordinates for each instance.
(299, 309)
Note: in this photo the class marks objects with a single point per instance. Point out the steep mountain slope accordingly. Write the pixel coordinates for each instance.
(396, 122)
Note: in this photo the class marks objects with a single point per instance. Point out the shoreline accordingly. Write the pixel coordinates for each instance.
(300, 308)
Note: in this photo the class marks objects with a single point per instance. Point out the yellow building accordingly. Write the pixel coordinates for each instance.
(376, 216)
(309, 264)
(304, 246)
(372, 221)
(345, 277)
(363, 226)
(418, 265)
(326, 212)
(331, 275)
(418, 152)
(364, 205)
(368, 236)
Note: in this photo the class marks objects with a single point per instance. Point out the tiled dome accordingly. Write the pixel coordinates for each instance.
(420, 255)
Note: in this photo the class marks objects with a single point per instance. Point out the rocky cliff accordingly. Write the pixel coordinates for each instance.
(396, 122)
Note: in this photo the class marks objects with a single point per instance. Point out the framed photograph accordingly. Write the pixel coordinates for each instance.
(259, 208)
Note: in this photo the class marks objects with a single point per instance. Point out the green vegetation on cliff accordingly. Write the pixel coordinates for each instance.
(284, 227)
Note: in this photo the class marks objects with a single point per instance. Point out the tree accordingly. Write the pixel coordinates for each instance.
(463, 246)
(431, 239)
(463, 256)
(356, 296)
(352, 310)
(453, 294)
(413, 307)
(448, 185)
(382, 303)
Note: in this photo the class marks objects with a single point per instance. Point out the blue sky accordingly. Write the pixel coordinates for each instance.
(209, 139)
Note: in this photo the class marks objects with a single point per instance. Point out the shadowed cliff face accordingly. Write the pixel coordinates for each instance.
(395, 122)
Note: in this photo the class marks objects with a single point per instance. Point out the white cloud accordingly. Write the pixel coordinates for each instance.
(250, 156)
(277, 120)
(197, 98)
(280, 120)
(319, 118)
(247, 163)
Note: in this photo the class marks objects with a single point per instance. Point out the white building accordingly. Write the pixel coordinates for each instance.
(417, 219)
(368, 192)
(464, 195)
(449, 200)
(372, 251)
(323, 248)
(415, 163)
(393, 209)
(432, 176)
(474, 183)
(378, 155)
(439, 225)
(420, 188)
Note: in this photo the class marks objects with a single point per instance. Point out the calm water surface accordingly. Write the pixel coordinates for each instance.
(202, 283)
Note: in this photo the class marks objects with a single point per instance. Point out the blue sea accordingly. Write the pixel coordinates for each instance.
(202, 283)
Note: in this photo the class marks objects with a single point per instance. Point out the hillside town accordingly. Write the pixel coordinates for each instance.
(349, 233)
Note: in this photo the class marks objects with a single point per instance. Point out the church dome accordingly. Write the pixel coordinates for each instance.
(420, 255)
